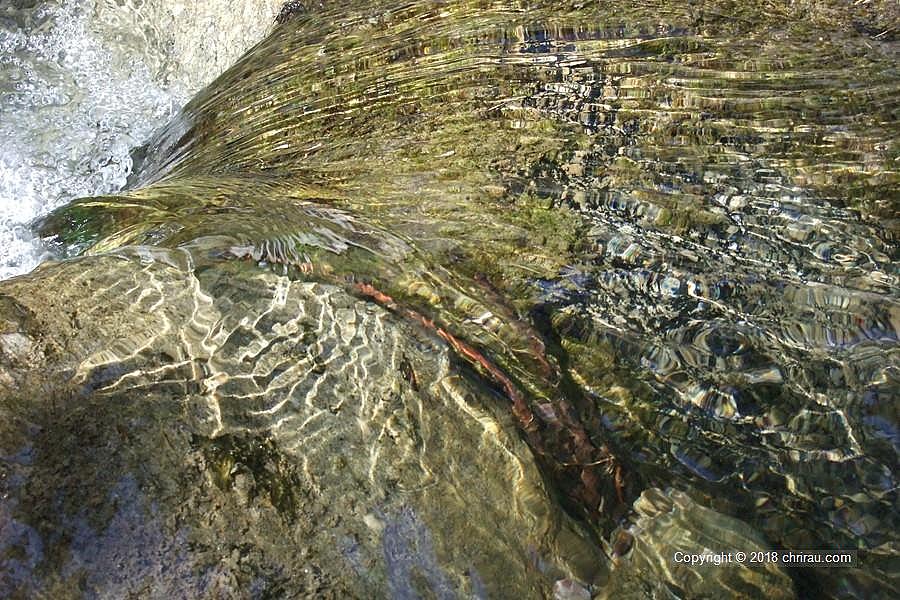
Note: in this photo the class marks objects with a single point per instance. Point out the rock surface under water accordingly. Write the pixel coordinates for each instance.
(445, 294)
(191, 432)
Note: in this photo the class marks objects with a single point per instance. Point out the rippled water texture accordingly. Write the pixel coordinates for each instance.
(656, 241)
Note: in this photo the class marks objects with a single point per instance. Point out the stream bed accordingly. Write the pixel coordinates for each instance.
(457, 299)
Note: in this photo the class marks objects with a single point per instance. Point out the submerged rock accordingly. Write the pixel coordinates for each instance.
(669, 529)
(395, 243)
(187, 431)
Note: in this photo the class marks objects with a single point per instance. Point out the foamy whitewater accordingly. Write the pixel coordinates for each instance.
(83, 83)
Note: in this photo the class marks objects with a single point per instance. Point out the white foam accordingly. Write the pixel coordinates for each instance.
(84, 82)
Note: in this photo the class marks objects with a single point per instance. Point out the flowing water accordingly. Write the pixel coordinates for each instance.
(656, 242)
(84, 83)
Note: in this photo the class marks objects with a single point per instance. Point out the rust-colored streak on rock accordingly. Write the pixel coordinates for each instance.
(597, 474)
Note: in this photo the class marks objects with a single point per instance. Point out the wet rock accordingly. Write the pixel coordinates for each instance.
(255, 435)
(290, 10)
(421, 154)
(566, 589)
(14, 346)
(649, 557)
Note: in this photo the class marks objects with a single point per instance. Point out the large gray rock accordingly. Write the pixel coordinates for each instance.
(174, 430)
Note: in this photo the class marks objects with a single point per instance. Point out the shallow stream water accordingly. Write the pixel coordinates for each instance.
(84, 83)
(660, 238)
